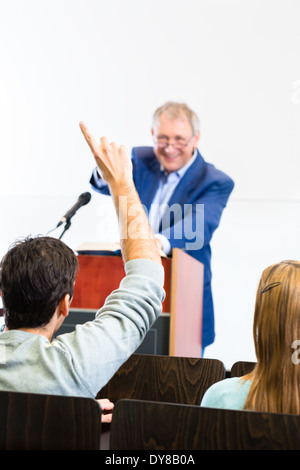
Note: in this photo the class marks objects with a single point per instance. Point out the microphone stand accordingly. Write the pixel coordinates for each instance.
(82, 201)
(67, 226)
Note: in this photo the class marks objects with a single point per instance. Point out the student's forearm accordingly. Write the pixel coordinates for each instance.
(136, 237)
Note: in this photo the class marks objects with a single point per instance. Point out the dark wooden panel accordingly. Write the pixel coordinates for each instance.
(241, 368)
(164, 378)
(48, 422)
(143, 425)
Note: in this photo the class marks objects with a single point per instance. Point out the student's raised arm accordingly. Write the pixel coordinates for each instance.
(114, 163)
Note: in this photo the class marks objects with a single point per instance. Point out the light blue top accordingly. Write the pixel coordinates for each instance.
(228, 394)
(81, 363)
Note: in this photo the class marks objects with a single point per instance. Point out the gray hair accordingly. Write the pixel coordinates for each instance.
(176, 111)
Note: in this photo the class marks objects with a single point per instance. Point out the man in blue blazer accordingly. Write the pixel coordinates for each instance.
(182, 194)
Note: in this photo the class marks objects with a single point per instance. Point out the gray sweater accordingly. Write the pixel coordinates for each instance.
(81, 363)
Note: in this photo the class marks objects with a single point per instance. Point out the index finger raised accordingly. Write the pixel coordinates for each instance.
(91, 141)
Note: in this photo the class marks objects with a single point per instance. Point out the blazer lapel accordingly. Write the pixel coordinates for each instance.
(189, 182)
(149, 183)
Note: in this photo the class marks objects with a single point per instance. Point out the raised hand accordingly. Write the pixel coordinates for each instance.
(113, 160)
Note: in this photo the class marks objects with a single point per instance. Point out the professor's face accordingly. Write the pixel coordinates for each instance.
(174, 142)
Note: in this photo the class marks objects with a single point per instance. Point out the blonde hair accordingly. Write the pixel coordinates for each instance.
(276, 378)
(176, 111)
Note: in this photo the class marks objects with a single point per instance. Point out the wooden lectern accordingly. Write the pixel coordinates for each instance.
(180, 326)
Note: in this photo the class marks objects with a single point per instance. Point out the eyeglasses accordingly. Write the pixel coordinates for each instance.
(163, 143)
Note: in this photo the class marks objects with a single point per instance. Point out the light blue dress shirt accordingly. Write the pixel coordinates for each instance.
(166, 187)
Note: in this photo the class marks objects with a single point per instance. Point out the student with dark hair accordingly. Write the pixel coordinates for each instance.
(36, 274)
(37, 278)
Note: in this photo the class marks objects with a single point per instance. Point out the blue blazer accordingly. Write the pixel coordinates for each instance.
(201, 187)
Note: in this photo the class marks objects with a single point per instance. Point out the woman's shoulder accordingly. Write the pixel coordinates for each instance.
(228, 393)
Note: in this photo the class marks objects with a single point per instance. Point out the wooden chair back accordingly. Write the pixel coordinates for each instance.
(163, 378)
(48, 422)
(144, 425)
(241, 368)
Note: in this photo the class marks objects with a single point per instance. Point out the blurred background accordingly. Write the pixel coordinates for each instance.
(111, 63)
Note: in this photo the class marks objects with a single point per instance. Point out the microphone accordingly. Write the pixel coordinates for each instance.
(83, 199)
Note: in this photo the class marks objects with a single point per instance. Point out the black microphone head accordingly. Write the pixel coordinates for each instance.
(85, 198)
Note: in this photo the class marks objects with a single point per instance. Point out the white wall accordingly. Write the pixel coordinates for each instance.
(111, 63)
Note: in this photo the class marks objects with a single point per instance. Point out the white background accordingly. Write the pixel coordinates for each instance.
(111, 63)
